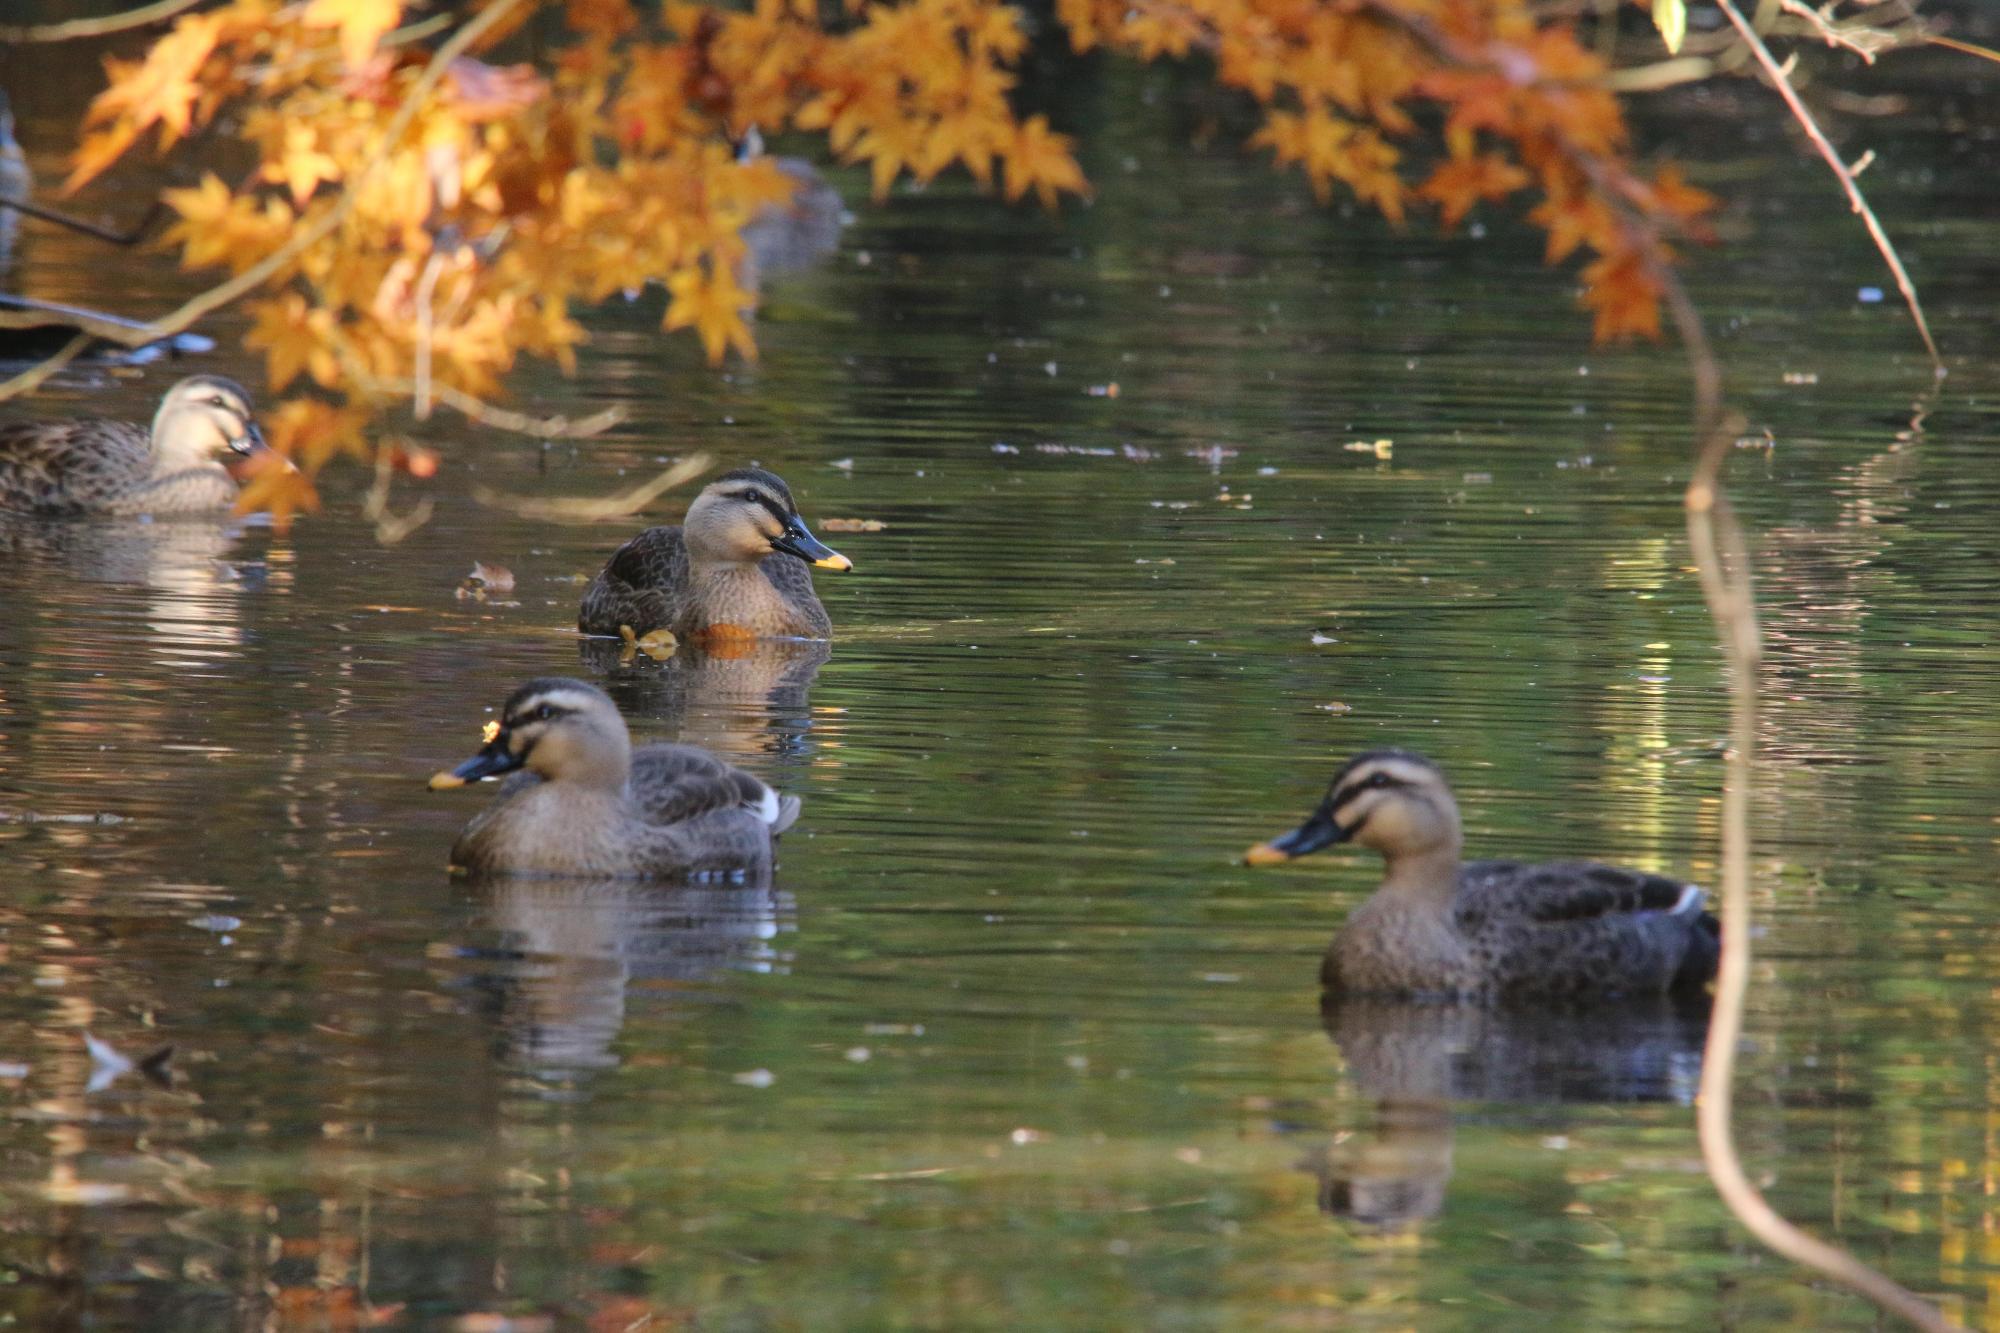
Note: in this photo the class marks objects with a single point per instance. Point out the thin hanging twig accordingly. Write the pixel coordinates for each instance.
(1722, 559)
(1827, 151)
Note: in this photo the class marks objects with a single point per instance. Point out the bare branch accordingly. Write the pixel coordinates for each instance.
(1839, 168)
(587, 509)
(157, 12)
(62, 219)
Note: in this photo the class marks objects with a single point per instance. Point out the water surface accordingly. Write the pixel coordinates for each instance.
(1011, 1041)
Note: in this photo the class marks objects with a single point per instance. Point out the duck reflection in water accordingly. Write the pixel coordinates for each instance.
(1413, 1061)
(569, 954)
(743, 698)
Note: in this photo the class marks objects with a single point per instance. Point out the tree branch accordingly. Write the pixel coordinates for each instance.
(157, 12)
(1839, 169)
(1715, 538)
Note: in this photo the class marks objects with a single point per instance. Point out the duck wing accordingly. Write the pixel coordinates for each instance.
(1580, 927)
(71, 467)
(672, 784)
(645, 584)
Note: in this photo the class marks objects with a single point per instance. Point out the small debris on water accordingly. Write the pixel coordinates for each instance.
(1336, 707)
(1320, 636)
(755, 1078)
(1868, 295)
(1002, 447)
(1024, 1136)
(853, 524)
(1103, 390)
(858, 1054)
(1801, 377)
(1379, 448)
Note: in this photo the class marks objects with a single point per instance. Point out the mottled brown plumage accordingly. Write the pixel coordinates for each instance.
(583, 802)
(1489, 929)
(740, 561)
(95, 466)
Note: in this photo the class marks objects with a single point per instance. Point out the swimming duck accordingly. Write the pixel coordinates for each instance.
(1488, 929)
(737, 568)
(584, 802)
(181, 465)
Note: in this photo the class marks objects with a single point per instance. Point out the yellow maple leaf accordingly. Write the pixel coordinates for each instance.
(1039, 159)
(707, 299)
(296, 337)
(362, 24)
(275, 485)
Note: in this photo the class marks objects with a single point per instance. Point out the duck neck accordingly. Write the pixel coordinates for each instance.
(1429, 877)
(734, 593)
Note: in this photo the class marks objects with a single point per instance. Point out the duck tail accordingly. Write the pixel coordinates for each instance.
(786, 814)
(1704, 953)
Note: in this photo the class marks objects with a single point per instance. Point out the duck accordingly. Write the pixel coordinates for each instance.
(737, 568)
(186, 462)
(1441, 928)
(583, 802)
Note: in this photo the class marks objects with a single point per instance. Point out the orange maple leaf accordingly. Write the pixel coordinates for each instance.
(362, 24)
(275, 485)
(707, 299)
(1460, 183)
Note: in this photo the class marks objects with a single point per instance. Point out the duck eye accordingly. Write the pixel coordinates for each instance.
(1378, 779)
(544, 713)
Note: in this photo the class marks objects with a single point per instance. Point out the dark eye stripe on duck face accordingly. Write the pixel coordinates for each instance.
(1375, 772)
(770, 506)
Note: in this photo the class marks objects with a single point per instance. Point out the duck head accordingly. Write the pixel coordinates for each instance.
(1393, 801)
(204, 419)
(559, 729)
(745, 515)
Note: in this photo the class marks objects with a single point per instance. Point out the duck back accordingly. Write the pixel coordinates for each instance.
(649, 584)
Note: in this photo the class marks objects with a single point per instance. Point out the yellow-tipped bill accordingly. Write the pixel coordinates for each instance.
(833, 560)
(1264, 854)
(445, 781)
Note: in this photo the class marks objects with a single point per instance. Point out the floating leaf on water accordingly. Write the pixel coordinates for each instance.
(1336, 707)
(1103, 390)
(844, 464)
(853, 525)
(1379, 448)
(657, 643)
(1320, 637)
(483, 581)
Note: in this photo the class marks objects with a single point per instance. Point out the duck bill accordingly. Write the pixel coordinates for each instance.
(249, 454)
(1322, 830)
(492, 760)
(795, 540)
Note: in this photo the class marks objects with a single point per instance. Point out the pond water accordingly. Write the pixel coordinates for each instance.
(1012, 1040)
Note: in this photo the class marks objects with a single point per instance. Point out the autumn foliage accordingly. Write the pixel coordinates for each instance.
(430, 214)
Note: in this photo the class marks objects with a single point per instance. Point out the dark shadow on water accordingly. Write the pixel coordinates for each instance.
(1416, 1061)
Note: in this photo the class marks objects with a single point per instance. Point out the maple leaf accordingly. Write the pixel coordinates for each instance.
(1573, 218)
(707, 299)
(298, 337)
(303, 165)
(1623, 295)
(1456, 185)
(362, 23)
(276, 485)
(1040, 160)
